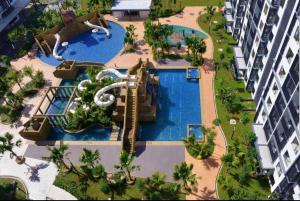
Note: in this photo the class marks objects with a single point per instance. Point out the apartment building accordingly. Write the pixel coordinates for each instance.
(267, 60)
(9, 12)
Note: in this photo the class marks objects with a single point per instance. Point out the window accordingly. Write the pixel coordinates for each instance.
(276, 20)
(269, 102)
(281, 136)
(261, 25)
(282, 72)
(266, 9)
(256, 40)
(287, 158)
(275, 88)
(278, 169)
(297, 36)
(264, 115)
(289, 55)
(296, 146)
(253, 53)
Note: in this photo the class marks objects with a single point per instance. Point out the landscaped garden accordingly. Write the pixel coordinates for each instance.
(238, 178)
(11, 109)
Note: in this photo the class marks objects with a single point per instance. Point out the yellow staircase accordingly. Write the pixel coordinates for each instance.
(130, 120)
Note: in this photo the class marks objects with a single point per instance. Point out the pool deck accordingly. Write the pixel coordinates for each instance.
(156, 156)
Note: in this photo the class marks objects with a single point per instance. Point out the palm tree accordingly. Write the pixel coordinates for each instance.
(58, 156)
(93, 3)
(15, 77)
(114, 184)
(184, 176)
(28, 71)
(90, 158)
(130, 36)
(126, 166)
(12, 99)
(7, 145)
(210, 14)
(152, 187)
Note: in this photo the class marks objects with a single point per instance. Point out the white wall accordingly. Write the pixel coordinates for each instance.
(118, 14)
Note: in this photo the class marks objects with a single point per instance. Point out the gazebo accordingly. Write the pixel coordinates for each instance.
(131, 8)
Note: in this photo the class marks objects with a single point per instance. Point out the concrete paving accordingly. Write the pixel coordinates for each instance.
(151, 158)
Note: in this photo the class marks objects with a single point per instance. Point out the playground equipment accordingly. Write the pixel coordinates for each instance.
(110, 72)
(54, 52)
(96, 27)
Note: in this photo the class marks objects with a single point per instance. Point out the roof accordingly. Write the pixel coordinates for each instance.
(17, 7)
(121, 5)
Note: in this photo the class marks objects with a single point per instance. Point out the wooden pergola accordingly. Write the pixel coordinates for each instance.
(69, 92)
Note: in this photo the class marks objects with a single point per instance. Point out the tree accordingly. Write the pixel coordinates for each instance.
(210, 14)
(58, 155)
(7, 145)
(28, 71)
(15, 77)
(90, 158)
(12, 99)
(198, 47)
(114, 184)
(184, 177)
(153, 187)
(125, 165)
(130, 36)
(93, 3)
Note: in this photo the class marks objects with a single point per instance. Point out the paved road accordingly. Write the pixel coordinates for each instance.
(151, 158)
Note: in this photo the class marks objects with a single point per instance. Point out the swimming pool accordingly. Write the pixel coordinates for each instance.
(178, 106)
(180, 32)
(92, 47)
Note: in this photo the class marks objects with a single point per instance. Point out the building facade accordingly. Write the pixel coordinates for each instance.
(267, 59)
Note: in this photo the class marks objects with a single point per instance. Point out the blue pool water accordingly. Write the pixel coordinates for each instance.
(57, 106)
(196, 129)
(180, 32)
(178, 106)
(95, 133)
(193, 73)
(92, 47)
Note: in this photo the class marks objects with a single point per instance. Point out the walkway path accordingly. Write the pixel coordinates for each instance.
(206, 169)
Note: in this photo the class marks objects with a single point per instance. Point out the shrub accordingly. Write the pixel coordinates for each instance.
(217, 122)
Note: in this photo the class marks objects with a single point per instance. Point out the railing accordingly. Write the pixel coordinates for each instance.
(135, 120)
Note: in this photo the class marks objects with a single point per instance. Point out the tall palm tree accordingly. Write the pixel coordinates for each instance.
(152, 187)
(90, 158)
(114, 184)
(125, 165)
(58, 156)
(28, 71)
(7, 145)
(15, 77)
(210, 14)
(184, 176)
(94, 3)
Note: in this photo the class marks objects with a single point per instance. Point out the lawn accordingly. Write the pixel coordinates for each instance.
(6, 187)
(257, 186)
(70, 182)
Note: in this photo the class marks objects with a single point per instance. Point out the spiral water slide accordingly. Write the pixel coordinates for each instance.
(104, 100)
(54, 52)
(87, 23)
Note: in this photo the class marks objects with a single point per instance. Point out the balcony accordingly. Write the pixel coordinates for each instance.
(239, 66)
(228, 6)
(264, 155)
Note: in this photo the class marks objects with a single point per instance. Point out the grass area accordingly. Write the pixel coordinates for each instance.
(6, 190)
(71, 183)
(221, 40)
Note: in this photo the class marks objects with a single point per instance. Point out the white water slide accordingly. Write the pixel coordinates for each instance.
(101, 98)
(110, 72)
(54, 52)
(87, 23)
